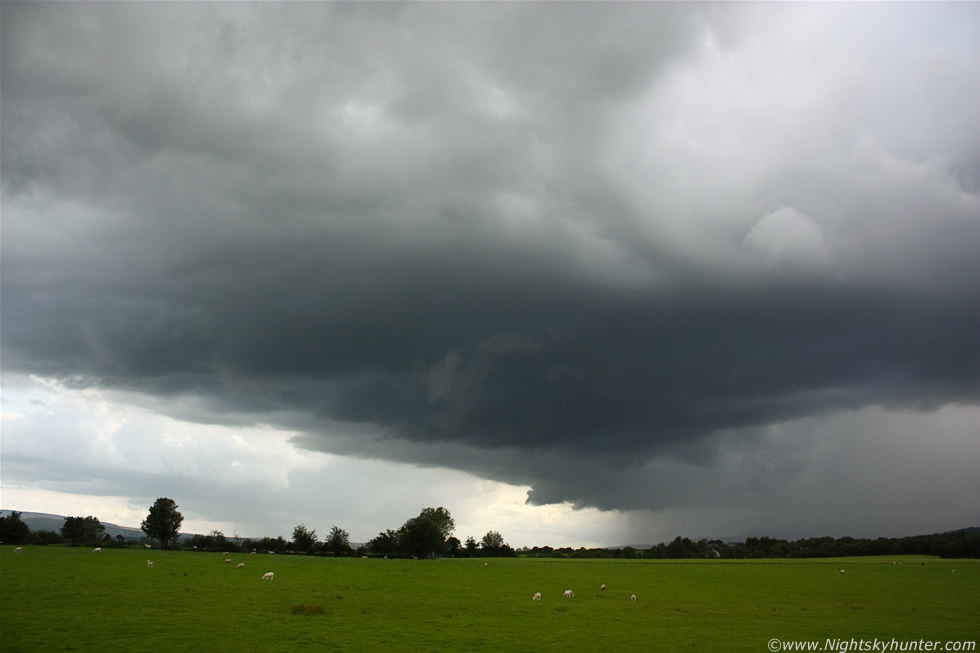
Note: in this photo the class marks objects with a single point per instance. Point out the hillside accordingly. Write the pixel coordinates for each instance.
(42, 521)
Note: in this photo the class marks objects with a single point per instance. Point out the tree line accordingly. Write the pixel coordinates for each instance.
(427, 535)
(430, 535)
(76, 531)
(957, 544)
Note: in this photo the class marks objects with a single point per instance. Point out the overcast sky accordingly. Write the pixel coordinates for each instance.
(585, 273)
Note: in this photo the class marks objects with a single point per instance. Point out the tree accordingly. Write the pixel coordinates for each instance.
(419, 538)
(492, 542)
(678, 548)
(471, 546)
(385, 543)
(304, 539)
(441, 518)
(277, 545)
(426, 535)
(163, 522)
(493, 545)
(213, 541)
(338, 542)
(13, 530)
(46, 537)
(218, 541)
(82, 530)
(453, 546)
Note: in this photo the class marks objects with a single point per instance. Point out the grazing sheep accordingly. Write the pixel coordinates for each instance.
(149, 563)
(602, 587)
(227, 561)
(484, 564)
(147, 546)
(97, 549)
(241, 564)
(363, 557)
(842, 571)
(252, 553)
(569, 594)
(536, 597)
(268, 575)
(633, 598)
(19, 549)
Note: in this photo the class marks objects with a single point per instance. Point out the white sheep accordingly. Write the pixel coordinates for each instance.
(536, 597)
(227, 561)
(603, 587)
(97, 549)
(569, 594)
(268, 575)
(19, 549)
(241, 564)
(842, 571)
(633, 598)
(149, 563)
(147, 546)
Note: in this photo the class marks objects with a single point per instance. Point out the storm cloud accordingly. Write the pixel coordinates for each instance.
(527, 241)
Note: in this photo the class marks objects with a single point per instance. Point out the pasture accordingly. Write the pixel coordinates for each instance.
(58, 598)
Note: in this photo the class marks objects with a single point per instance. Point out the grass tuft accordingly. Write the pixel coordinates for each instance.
(307, 610)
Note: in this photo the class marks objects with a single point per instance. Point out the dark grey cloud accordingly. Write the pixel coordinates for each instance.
(518, 239)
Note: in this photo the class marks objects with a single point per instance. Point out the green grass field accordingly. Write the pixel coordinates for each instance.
(57, 598)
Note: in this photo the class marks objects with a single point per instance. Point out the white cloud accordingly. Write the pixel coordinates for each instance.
(110, 509)
(68, 446)
(786, 238)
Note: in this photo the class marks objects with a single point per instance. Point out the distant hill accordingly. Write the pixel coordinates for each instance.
(970, 530)
(42, 521)
(788, 535)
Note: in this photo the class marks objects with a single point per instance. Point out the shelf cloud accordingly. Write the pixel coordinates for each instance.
(605, 251)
